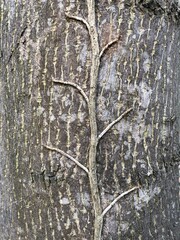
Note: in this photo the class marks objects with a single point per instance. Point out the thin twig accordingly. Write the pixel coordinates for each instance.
(80, 19)
(107, 46)
(117, 199)
(81, 91)
(68, 156)
(113, 123)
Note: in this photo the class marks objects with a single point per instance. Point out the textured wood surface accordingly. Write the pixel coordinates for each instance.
(43, 193)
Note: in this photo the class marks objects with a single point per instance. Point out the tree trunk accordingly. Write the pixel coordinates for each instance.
(89, 119)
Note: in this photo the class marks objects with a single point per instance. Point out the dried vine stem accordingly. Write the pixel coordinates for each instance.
(81, 91)
(95, 58)
(94, 73)
(80, 20)
(68, 156)
(94, 138)
(113, 123)
(107, 46)
(117, 199)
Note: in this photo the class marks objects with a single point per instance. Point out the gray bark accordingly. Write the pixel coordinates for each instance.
(97, 84)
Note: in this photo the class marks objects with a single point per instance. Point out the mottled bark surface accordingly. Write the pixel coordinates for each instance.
(45, 195)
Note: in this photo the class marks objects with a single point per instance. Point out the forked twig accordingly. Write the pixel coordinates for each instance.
(117, 199)
(107, 46)
(68, 156)
(81, 91)
(80, 19)
(113, 123)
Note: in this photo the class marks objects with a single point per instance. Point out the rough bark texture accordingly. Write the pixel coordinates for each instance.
(43, 193)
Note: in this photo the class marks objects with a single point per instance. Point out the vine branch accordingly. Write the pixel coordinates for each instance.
(107, 46)
(68, 156)
(80, 19)
(81, 91)
(113, 123)
(117, 199)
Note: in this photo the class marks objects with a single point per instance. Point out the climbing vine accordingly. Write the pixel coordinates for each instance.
(91, 171)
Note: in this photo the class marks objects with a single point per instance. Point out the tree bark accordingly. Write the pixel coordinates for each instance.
(89, 119)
